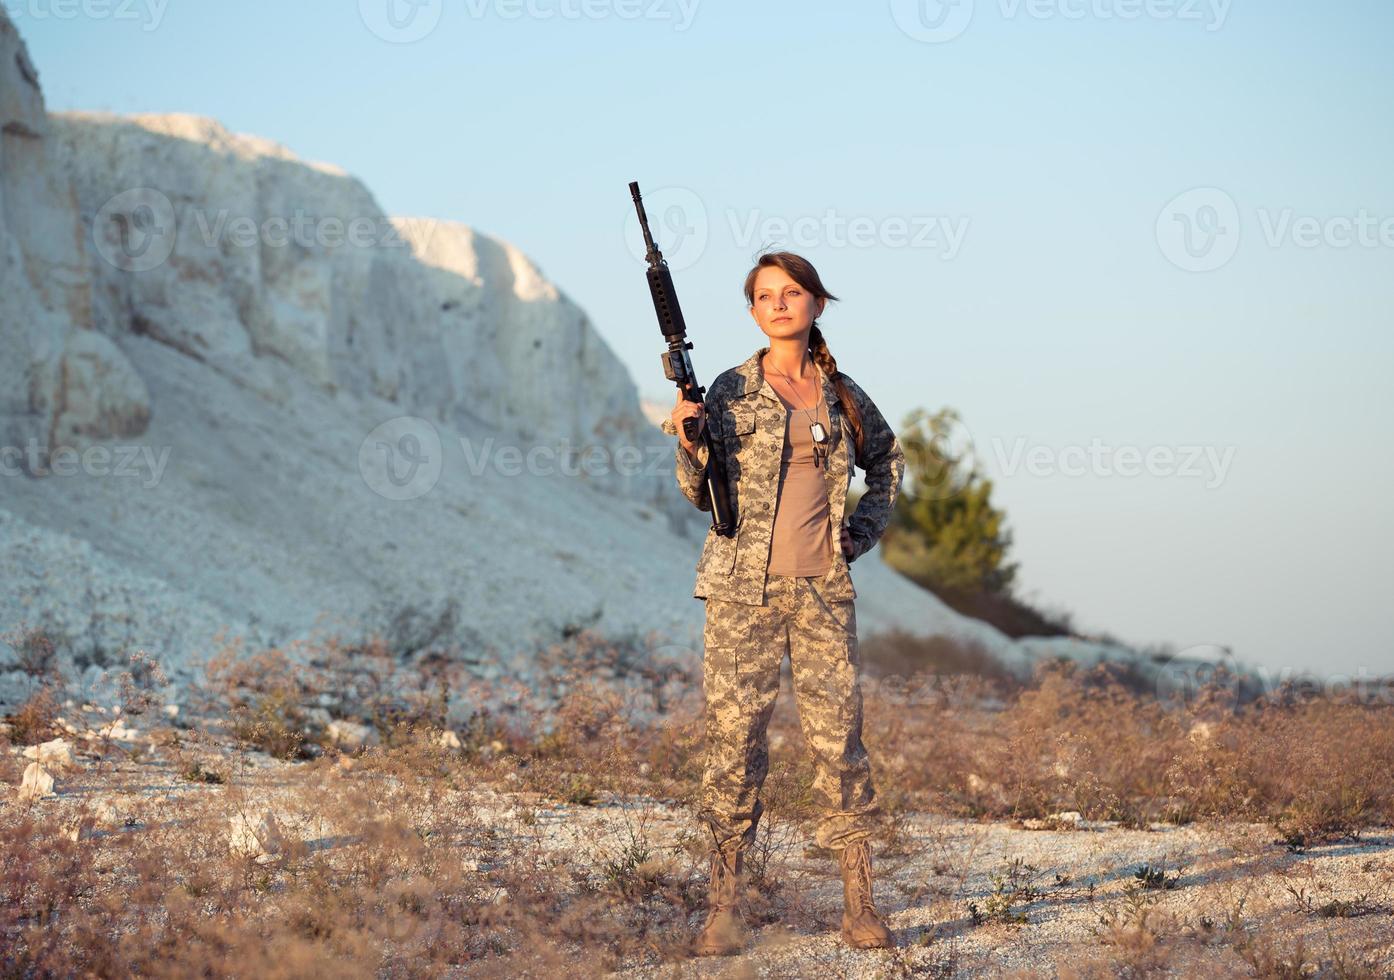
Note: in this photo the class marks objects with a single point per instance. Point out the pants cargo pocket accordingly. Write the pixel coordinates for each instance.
(840, 614)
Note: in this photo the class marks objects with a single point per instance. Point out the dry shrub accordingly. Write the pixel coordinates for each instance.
(1317, 769)
(35, 653)
(1086, 739)
(35, 720)
(1081, 740)
(898, 652)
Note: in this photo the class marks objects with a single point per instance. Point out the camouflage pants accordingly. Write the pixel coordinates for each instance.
(745, 648)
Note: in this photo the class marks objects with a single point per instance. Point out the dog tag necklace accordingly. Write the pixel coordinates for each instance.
(820, 435)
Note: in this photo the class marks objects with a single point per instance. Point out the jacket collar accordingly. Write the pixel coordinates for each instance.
(754, 380)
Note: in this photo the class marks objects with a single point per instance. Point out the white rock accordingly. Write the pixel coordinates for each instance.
(350, 735)
(107, 813)
(80, 826)
(118, 732)
(56, 754)
(36, 784)
(259, 836)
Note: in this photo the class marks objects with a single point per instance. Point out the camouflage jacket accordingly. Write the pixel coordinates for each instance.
(747, 422)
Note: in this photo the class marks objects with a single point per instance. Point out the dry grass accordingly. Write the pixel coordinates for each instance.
(1315, 768)
(552, 836)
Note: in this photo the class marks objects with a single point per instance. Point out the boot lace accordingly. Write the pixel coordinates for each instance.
(857, 860)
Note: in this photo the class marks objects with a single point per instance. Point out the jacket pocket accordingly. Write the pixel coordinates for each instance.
(738, 426)
(742, 419)
(718, 556)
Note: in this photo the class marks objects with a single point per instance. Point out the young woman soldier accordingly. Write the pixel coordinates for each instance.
(790, 426)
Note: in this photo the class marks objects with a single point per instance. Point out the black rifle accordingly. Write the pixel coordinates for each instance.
(677, 367)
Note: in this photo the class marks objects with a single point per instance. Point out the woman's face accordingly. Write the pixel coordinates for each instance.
(782, 307)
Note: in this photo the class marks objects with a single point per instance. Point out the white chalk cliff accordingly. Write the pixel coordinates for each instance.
(291, 414)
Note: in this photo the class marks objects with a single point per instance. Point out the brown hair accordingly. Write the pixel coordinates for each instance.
(802, 272)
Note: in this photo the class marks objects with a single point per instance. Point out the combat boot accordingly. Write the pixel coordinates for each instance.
(862, 925)
(724, 931)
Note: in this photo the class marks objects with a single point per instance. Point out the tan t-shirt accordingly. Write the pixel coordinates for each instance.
(800, 543)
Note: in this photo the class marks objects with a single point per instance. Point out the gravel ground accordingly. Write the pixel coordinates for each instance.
(1233, 876)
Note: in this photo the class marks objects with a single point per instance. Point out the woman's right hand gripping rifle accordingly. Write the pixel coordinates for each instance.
(691, 453)
(685, 409)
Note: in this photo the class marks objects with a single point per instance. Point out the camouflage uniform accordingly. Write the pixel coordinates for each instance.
(754, 617)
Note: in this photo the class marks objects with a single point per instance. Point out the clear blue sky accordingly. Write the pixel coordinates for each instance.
(1055, 135)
